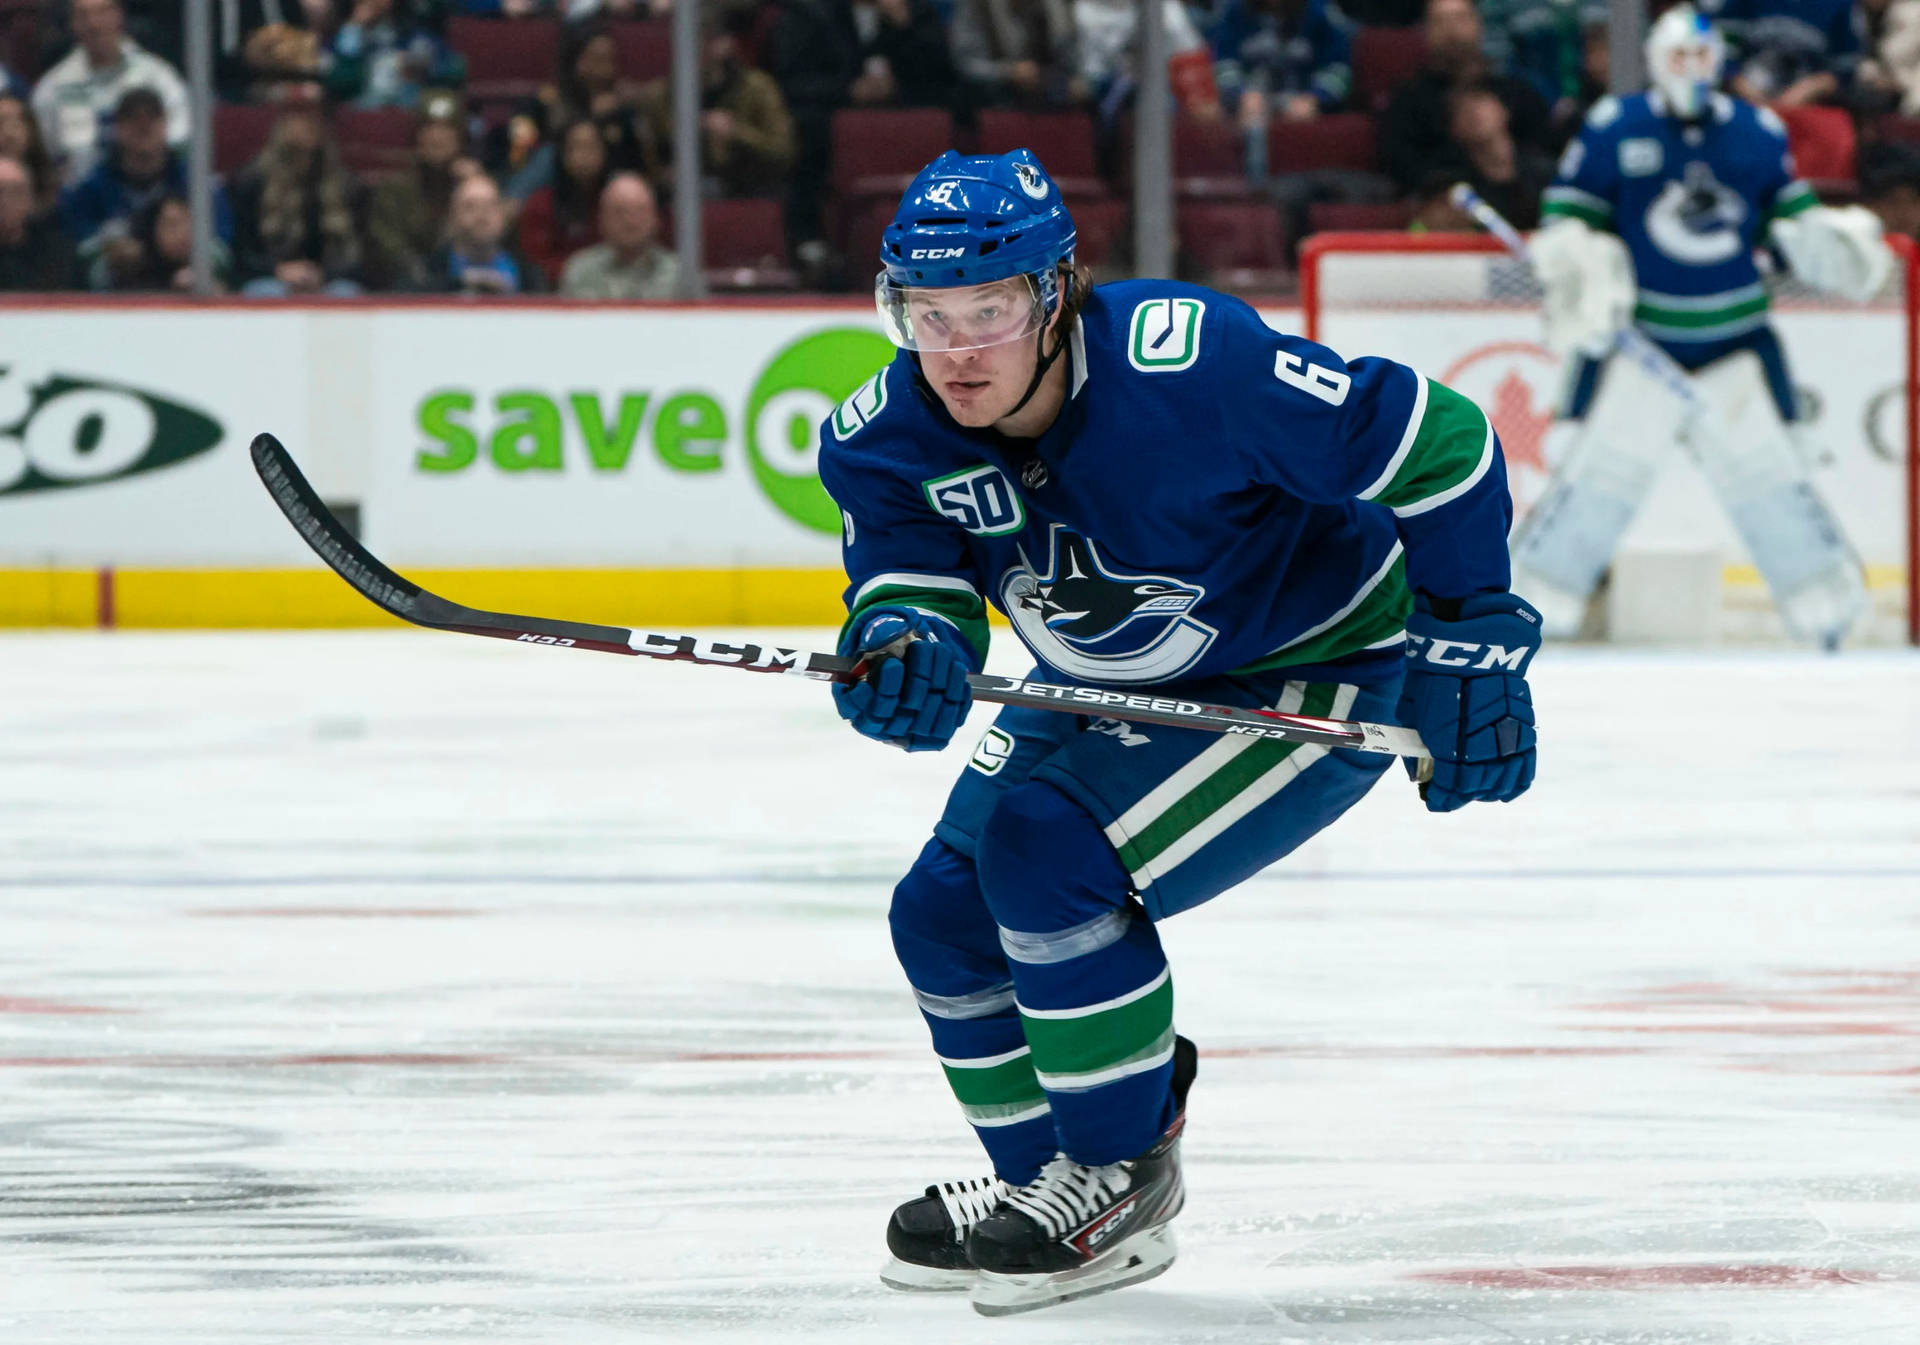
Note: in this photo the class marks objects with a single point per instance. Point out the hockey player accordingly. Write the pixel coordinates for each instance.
(1157, 490)
(1657, 217)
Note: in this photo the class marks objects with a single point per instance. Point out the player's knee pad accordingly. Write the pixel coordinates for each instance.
(1045, 865)
(942, 932)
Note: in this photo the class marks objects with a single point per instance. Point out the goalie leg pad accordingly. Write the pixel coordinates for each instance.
(1750, 459)
(1567, 540)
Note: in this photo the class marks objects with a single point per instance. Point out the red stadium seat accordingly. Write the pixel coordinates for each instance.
(1062, 140)
(1823, 141)
(239, 134)
(745, 242)
(1100, 229)
(1209, 159)
(1903, 130)
(375, 141)
(876, 151)
(1383, 60)
(1341, 140)
(1238, 245)
(1353, 216)
(506, 58)
(645, 46)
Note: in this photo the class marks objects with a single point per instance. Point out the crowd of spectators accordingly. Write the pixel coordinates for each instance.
(565, 185)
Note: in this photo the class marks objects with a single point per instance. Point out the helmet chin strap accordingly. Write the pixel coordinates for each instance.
(1046, 360)
(1040, 368)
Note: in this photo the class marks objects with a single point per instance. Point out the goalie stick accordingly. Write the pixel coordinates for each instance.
(408, 601)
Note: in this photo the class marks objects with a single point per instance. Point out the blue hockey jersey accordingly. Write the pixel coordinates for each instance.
(1691, 202)
(1213, 497)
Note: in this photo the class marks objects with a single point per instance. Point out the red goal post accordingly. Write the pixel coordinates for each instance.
(1459, 308)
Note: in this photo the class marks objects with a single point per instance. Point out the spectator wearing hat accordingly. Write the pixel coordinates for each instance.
(138, 169)
(746, 134)
(628, 263)
(74, 99)
(387, 55)
(34, 253)
(476, 258)
(407, 217)
(561, 219)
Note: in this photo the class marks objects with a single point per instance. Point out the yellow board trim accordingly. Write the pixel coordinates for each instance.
(318, 599)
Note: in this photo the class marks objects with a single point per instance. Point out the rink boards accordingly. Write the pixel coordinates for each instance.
(634, 463)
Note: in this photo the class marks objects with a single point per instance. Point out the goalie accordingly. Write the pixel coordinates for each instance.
(1656, 219)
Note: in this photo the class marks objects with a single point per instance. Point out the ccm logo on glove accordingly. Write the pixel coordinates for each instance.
(1459, 654)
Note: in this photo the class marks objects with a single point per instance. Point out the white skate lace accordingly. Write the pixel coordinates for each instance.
(968, 1202)
(1067, 1194)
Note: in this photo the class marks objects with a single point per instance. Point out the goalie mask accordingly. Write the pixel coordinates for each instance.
(1684, 56)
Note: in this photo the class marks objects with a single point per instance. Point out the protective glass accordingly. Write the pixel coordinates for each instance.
(971, 317)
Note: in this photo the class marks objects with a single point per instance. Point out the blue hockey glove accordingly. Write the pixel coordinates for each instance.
(1466, 692)
(915, 692)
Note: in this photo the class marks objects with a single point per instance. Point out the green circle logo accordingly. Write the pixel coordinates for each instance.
(795, 393)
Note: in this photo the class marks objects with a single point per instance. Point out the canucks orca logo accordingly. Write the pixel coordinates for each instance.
(1096, 624)
(1697, 220)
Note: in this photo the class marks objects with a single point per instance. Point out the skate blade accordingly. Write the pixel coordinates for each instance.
(909, 1278)
(1138, 1259)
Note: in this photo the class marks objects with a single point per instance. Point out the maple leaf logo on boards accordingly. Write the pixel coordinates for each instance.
(1522, 430)
(1516, 383)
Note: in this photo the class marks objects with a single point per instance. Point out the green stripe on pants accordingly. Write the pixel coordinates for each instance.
(1100, 1038)
(1218, 789)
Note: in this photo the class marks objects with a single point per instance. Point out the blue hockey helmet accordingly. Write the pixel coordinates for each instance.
(967, 222)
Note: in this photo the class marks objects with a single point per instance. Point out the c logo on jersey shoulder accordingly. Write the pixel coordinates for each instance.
(1099, 624)
(979, 499)
(1165, 337)
(1697, 220)
(854, 414)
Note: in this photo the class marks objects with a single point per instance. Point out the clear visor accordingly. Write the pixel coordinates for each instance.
(972, 317)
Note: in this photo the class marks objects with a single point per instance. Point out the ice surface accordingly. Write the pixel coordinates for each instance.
(357, 987)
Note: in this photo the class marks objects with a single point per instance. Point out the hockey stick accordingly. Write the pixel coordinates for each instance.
(408, 601)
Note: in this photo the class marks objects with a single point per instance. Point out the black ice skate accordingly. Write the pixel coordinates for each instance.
(1078, 1230)
(928, 1236)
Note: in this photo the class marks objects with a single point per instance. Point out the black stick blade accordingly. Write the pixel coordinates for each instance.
(324, 533)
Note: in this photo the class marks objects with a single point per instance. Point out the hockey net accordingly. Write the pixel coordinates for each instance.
(1460, 309)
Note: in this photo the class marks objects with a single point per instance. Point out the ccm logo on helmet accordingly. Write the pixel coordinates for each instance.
(936, 254)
